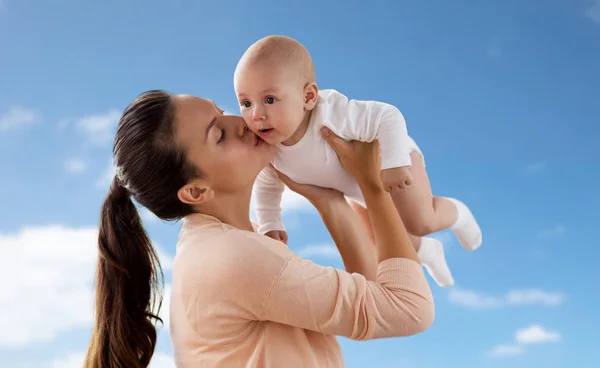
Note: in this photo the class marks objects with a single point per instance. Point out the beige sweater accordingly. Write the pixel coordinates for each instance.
(241, 299)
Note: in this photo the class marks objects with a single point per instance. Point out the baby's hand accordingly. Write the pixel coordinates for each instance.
(278, 235)
(396, 178)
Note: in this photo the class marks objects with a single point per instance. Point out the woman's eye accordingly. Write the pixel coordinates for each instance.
(270, 100)
(246, 103)
(222, 136)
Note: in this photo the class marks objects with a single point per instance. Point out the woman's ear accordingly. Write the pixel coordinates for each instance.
(195, 192)
(311, 95)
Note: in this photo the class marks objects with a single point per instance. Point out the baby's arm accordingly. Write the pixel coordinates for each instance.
(369, 120)
(268, 190)
(395, 150)
(390, 128)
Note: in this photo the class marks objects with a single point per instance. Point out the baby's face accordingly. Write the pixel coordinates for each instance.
(271, 101)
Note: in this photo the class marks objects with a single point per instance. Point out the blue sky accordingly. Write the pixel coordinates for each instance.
(501, 96)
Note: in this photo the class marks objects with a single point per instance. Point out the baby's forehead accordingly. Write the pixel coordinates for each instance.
(271, 78)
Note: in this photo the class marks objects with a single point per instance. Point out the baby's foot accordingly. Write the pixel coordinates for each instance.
(465, 228)
(431, 254)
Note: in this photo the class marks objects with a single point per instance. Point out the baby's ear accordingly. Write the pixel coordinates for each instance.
(311, 95)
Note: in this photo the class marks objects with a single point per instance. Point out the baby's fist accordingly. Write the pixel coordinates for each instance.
(278, 235)
(396, 178)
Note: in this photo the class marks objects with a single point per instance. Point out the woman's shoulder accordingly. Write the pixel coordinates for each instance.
(225, 263)
(224, 249)
(218, 233)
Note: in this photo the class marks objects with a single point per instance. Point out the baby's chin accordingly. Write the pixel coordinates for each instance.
(274, 141)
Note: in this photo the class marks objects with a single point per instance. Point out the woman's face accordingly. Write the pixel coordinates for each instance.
(221, 146)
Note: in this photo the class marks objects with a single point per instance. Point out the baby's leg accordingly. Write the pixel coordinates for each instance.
(429, 250)
(423, 213)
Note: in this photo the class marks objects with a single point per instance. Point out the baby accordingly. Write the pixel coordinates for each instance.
(279, 99)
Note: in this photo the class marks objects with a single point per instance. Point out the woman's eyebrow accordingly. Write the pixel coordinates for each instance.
(209, 127)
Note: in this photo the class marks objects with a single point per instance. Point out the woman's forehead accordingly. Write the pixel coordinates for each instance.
(192, 116)
(188, 107)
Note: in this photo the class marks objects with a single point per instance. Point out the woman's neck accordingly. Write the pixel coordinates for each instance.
(233, 210)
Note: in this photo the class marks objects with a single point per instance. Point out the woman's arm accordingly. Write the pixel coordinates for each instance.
(268, 282)
(330, 301)
(363, 161)
(351, 239)
(344, 226)
(334, 302)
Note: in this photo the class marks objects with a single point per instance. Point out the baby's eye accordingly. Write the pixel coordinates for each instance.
(270, 100)
(246, 103)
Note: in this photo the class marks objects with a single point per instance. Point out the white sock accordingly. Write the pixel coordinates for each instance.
(431, 254)
(465, 228)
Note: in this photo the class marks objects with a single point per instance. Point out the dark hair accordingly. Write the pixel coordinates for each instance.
(151, 169)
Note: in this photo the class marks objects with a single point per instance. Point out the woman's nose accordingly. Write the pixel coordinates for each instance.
(241, 128)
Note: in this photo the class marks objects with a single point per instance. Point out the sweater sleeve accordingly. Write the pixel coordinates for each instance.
(267, 192)
(369, 120)
(334, 302)
(268, 282)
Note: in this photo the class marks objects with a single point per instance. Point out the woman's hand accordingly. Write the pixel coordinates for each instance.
(316, 195)
(360, 159)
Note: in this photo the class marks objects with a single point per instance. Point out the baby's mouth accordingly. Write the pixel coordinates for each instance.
(266, 132)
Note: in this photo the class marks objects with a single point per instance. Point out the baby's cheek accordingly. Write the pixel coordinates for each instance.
(245, 115)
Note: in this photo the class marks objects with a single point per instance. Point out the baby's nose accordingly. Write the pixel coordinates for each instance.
(258, 114)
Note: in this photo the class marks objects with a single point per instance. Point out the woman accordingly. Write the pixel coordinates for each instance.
(240, 299)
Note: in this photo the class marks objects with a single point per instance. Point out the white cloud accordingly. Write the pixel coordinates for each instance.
(528, 297)
(107, 176)
(100, 128)
(147, 216)
(51, 270)
(593, 12)
(552, 232)
(474, 300)
(162, 360)
(75, 360)
(63, 123)
(506, 350)
(513, 298)
(292, 201)
(48, 273)
(17, 116)
(536, 334)
(75, 166)
(319, 251)
(71, 360)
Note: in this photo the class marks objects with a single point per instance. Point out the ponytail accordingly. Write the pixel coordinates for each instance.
(128, 283)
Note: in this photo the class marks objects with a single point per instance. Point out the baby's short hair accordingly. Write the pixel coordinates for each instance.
(282, 49)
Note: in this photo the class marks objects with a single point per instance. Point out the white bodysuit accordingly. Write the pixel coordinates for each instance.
(313, 161)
